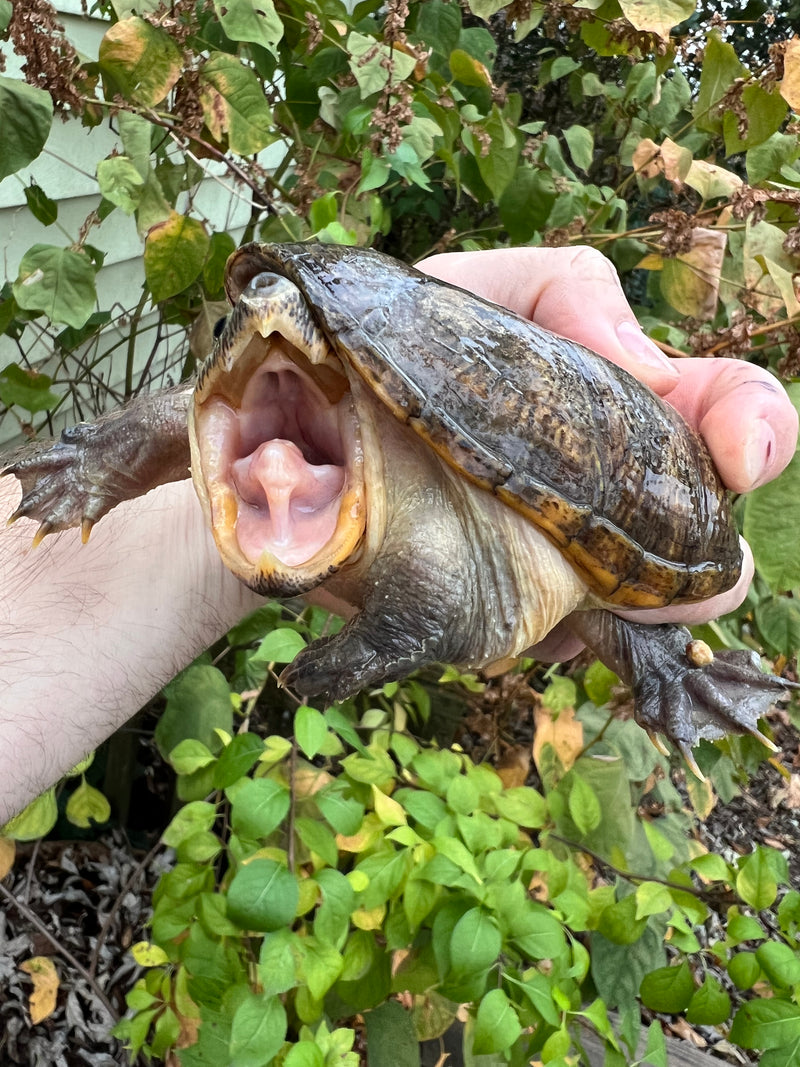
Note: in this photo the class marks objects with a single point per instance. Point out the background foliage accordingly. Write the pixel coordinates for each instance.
(330, 865)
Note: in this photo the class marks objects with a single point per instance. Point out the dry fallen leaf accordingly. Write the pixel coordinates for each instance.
(564, 733)
(790, 82)
(45, 986)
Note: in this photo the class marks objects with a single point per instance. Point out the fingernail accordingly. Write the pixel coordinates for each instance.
(646, 351)
(759, 453)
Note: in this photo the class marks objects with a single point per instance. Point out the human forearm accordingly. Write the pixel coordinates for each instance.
(89, 633)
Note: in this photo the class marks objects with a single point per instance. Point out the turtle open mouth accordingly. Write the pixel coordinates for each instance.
(276, 449)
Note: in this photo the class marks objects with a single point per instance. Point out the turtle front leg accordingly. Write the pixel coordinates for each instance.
(674, 693)
(95, 466)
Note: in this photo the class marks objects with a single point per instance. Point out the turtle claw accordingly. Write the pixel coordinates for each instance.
(691, 762)
(86, 528)
(44, 529)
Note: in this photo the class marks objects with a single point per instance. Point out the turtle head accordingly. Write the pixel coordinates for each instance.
(276, 448)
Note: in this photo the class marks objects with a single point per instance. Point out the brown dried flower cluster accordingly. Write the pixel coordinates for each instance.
(676, 236)
(732, 340)
(392, 112)
(50, 61)
(562, 235)
(557, 12)
(187, 101)
(314, 27)
(622, 31)
(731, 100)
(747, 202)
(789, 365)
(179, 18)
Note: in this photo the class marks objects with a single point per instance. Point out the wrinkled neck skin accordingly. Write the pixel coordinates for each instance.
(463, 575)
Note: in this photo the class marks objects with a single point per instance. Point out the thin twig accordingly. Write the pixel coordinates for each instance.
(30, 916)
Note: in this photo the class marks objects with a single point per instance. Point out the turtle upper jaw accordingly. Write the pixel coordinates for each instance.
(277, 458)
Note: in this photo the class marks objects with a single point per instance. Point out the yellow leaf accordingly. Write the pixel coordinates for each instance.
(712, 181)
(564, 733)
(388, 811)
(369, 918)
(790, 83)
(147, 954)
(652, 261)
(45, 986)
(690, 281)
(669, 159)
(7, 853)
(657, 16)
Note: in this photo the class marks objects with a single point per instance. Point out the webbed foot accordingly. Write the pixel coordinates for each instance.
(676, 693)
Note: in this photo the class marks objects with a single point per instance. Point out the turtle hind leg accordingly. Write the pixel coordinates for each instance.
(672, 694)
(95, 466)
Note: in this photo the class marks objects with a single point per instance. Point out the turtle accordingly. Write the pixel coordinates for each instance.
(463, 478)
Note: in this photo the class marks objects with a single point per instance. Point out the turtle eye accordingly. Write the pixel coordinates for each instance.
(219, 326)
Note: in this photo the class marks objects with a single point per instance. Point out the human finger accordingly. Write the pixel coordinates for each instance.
(743, 414)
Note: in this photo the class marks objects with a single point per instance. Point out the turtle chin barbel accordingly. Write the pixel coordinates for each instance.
(463, 478)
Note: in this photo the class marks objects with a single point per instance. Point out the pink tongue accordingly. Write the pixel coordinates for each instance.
(287, 506)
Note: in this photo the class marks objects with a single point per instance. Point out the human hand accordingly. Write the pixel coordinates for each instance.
(741, 411)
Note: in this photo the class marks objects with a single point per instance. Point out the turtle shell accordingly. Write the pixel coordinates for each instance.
(605, 468)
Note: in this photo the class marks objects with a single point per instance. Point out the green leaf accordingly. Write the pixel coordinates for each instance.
(780, 963)
(475, 943)
(317, 838)
(778, 620)
(771, 521)
(305, 1054)
(198, 704)
(174, 254)
(743, 970)
(263, 895)
(668, 989)
(322, 965)
(766, 1024)
(710, 1004)
(721, 67)
(279, 646)
(142, 59)
(35, 821)
(250, 20)
(367, 63)
(58, 281)
(26, 115)
(236, 759)
(581, 146)
(339, 808)
(87, 805)
(584, 806)
(755, 882)
(497, 1024)
(192, 818)
(310, 729)
(258, 806)
(765, 115)
(120, 182)
(189, 756)
(234, 103)
(522, 805)
(467, 70)
(27, 389)
(277, 968)
(40, 205)
(391, 1038)
(258, 1030)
